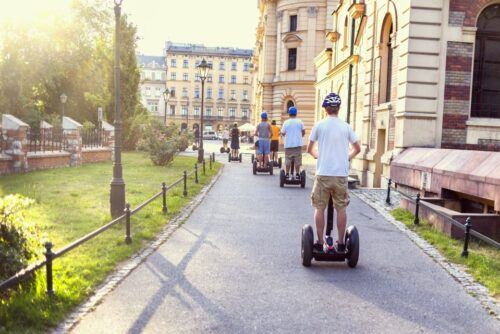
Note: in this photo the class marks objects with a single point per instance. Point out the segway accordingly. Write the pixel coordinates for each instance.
(225, 150)
(292, 179)
(253, 157)
(258, 169)
(329, 252)
(277, 163)
(230, 157)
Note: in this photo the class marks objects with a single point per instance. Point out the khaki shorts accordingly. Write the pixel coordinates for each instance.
(293, 153)
(326, 186)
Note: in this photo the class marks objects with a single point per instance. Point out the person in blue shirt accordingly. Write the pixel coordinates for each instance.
(293, 130)
(263, 132)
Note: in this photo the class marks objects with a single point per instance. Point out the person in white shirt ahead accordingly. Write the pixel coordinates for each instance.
(293, 130)
(332, 168)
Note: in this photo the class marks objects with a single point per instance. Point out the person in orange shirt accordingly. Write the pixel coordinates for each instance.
(275, 141)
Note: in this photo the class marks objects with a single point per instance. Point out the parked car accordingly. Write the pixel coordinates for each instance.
(209, 135)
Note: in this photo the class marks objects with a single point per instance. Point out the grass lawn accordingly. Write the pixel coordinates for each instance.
(71, 202)
(483, 262)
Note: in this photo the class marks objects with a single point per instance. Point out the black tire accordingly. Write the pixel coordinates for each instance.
(307, 245)
(271, 169)
(280, 162)
(228, 150)
(282, 178)
(240, 157)
(222, 150)
(254, 167)
(352, 245)
(253, 158)
(303, 179)
(229, 157)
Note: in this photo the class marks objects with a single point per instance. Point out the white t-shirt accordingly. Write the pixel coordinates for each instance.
(225, 134)
(333, 136)
(292, 129)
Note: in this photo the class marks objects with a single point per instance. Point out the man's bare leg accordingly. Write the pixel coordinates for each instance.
(341, 223)
(319, 218)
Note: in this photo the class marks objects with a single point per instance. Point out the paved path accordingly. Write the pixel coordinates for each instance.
(235, 267)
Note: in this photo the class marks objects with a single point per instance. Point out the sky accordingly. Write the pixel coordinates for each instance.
(228, 23)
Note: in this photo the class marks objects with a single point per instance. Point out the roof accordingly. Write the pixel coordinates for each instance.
(200, 49)
(151, 61)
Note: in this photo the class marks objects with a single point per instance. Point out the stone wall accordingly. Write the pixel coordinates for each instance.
(96, 155)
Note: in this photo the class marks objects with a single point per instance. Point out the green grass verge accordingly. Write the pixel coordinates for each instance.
(71, 202)
(483, 262)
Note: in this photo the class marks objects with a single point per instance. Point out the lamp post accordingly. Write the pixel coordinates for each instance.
(166, 96)
(117, 194)
(63, 99)
(203, 69)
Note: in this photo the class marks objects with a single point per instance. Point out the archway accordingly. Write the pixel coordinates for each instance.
(284, 115)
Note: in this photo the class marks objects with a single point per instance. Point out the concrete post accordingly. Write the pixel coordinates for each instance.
(72, 132)
(17, 142)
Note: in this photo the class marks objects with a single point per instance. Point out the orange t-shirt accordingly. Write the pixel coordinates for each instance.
(275, 130)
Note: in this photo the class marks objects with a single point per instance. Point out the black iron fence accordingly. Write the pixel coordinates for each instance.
(3, 141)
(467, 227)
(93, 138)
(50, 255)
(47, 140)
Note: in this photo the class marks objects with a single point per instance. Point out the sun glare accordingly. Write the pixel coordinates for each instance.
(30, 11)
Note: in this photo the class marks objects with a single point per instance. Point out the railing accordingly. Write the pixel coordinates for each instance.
(467, 228)
(50, 256)
(3, 142)
(93, 138)
(47, 140)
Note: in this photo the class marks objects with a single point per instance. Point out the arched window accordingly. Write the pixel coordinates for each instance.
(486, 82)
(386, 61)
(346, 31)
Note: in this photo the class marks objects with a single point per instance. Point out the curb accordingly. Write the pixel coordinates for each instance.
(125, 268)
(468, 283)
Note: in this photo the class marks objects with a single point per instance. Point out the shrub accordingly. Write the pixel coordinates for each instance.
(183, 140)
(160, 142)
(19, 240)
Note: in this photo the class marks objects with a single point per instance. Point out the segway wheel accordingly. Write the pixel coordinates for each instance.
(303, 179)
(222, 150)
(282, 178)
(271, 168)
(352, 245)
(255, 167)
(280, 161)
(229, 157)
(228, 150)
(307, 245)
(253, 157)
(240, 157)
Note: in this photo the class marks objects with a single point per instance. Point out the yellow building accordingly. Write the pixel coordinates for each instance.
(228, 87)
(288, 37)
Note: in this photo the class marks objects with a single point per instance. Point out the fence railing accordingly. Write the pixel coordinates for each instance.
(93, 138)
(50, 255)
(3, 141)
(467, 227)
(46, 140)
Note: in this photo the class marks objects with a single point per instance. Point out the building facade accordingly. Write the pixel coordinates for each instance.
(413, 73)
(228, 88)
(288, 37)
(153, 80)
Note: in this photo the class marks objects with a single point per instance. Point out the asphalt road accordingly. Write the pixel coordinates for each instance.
(235, 267)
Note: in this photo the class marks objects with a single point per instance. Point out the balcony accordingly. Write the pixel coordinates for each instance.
(232, 118)
(220, 118)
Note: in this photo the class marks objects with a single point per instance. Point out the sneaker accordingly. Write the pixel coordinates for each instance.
(287, 176)
(340, 248)
(297, 176)
(317, 246)
(328, 246)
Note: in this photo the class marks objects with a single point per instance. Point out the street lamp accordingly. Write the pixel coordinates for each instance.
(117, 194)
(166, 96)
(203, 69)
(63, 98)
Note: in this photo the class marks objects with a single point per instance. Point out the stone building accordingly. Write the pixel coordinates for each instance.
(228, 87)
(153, 79)
(289, 35)
(416, 73)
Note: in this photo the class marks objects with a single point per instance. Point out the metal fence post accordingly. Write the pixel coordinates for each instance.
(195, 173)
(210, 164)
(213, 157)
(185, 184)
(49, 256)
(416, 221)
(204, 169)
(128, 239)
(388, 199)
(468, 225)
(164, 195)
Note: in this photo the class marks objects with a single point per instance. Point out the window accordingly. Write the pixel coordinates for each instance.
(244, 112)
(172, 92)
(158, 92)
(245, 95)
(292, 59)
(221, 79)
(209, 78)
(209, 111)
(153, 75)
(222, 66)
(233, 79)
(232, 112)
(234, 66)
(153, 106)
(196, 77)
(172, 110)
(221, 93)
(220, 111)
(245, 80)
(209, 93)
(148, 91)
(163, 76)
(173, 76)
(173, 62)
(385, 86)
(184, 92)
(197, 92)
(185, 77)
(184, 111)
(293, 22)
(246, 66)
(346, 31)
(185, 63)
(197, 111)
(210, 64)
(233, 94)
(486, 82)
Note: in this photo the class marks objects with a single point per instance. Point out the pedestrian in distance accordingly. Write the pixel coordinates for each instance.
(293, 130)
(225, 138)
(275, 141)
(235, 141)
(263, 132)
(333, 155)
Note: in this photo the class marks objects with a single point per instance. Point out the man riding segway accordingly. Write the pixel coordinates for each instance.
(235, 141)
(263, 132)
(293, 130)
(275, 143)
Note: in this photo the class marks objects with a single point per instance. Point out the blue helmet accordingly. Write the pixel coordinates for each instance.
(292, 111)
(263, 115)
(331, 100)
